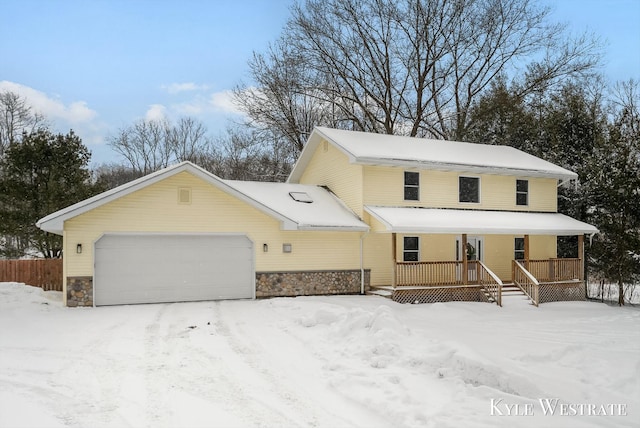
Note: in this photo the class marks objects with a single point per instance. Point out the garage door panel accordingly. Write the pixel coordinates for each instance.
(170, 268)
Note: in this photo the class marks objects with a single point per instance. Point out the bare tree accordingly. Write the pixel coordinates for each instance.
(150, 145)
(187, 139)
(247, 154)
(412, 67)
(279, 102)
(144, 145)
(16, 117)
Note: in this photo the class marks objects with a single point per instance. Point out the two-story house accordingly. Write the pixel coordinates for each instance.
(419, 220)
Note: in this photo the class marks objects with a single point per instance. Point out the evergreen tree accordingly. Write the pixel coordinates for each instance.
(503, 117)
(41, 174)
(614, 183)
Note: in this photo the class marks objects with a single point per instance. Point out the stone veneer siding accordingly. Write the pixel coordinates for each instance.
(309, 283)
(80, 291)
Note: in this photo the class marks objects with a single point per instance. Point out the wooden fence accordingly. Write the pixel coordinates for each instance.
(43, 273)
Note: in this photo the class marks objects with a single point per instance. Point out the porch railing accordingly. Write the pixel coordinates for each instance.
(490, 282)
(554, 270)
(429, 273)
(526, 282)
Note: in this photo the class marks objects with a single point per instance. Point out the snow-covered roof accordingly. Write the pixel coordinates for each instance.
(434, 220)
(292, 216)
(309, 207)
(392, 150)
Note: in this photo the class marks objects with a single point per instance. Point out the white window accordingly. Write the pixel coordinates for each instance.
(411, 186)
(469, 189)
(518, 253)
(522, 192)
(411, 250)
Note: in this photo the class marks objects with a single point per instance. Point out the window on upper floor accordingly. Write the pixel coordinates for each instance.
(411, 250)
(518, 253)
(469, 189)
(411, 186)
(522, 192)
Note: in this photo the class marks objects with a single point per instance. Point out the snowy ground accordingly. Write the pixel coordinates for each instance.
(345, 361)
(609, 292)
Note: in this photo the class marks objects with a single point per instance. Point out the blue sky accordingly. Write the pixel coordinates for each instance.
(98, 65)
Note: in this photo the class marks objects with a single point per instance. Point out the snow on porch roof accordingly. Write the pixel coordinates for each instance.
(433, 220)
(393, 150)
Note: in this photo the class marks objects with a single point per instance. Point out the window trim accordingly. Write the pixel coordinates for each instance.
(522, 193)
(411, 186)
(479, 189)
(405, 251)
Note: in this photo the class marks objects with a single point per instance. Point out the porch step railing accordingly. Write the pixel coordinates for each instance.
(491, 284)
(526, 282)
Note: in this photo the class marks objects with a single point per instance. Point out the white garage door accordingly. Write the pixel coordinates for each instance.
(148, 268)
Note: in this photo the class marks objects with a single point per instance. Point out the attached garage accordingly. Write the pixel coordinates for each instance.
(182, 234)
(157, 268)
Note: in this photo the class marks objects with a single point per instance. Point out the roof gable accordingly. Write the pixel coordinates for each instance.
(54, 222)
(392, 150)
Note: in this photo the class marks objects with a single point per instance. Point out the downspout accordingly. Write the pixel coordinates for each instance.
(362, 236)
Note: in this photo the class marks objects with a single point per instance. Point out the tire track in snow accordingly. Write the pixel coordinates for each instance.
(263, 413)
(175, 351)
(154, 378)
(305, 410)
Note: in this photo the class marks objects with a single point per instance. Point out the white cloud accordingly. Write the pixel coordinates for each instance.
(61, 117)
(176, 88)
(156, 112)
(75, 113)
(223, 102)
(213, 104)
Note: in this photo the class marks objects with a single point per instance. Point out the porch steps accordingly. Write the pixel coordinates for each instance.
(510, 289)
(381, 291)
(512, 295)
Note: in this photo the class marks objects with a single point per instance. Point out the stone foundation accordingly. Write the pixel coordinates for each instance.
(79, 291)
(310, 283)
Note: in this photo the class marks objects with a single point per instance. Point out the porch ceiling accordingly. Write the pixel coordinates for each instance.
(433, 220)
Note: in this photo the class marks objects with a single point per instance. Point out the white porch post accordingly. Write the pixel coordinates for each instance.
(526, 251)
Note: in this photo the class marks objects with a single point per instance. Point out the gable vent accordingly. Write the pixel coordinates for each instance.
(184, 195)
(301, 197)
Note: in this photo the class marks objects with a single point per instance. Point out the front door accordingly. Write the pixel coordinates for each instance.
(474, 252)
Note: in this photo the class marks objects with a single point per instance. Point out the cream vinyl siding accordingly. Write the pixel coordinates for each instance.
(433, 247)
(330, 167)
(156, 209)
(377, 257)
(384, 186)
(543, 247)
(499, 251)
(498, 254)
(438, 247)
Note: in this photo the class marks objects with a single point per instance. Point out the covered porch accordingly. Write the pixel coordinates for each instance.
(468, 276)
